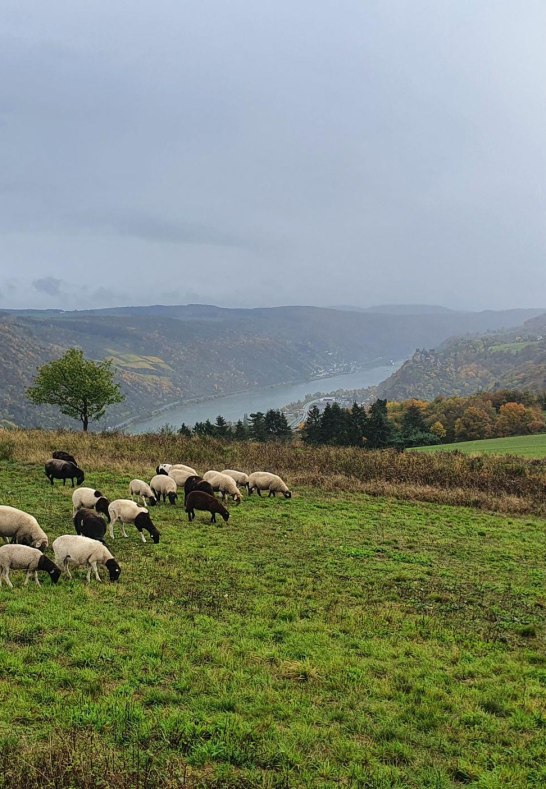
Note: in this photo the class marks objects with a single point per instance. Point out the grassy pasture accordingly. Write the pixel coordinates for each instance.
(335, 639)
(524, 446)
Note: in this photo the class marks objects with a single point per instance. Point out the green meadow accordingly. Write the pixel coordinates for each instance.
(526, 446)
(334, 639)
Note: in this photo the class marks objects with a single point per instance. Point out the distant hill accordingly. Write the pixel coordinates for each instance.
(514, 359)
(168, 354)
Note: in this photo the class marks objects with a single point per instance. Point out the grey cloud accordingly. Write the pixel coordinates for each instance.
(48, 285)
(274, 152)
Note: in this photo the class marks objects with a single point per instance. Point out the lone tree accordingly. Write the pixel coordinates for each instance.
(80, 387)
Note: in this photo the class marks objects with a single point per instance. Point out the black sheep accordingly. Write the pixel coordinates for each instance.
(197, 483)
(89, 524)
(60, 455)
(199, 500)
(63, 469)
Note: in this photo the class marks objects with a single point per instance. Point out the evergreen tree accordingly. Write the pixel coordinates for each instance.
(276, 426)
(380, 432)
(356, 427)
(311, 433)
(221, 428)
(184, 430)
(240, 433)
(257, 429)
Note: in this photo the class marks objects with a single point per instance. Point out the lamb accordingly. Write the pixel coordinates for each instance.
(63, 469)
(126, 511)
(138, 487)
(241, 479)
(226, 485)
(71, 549)
(60, 455)
(180, 476)
(198, 500)
(22, 557)
(164, 487)
(91, 499)
(197, 483)
(22, 528)
(263, 480)
(88, 523)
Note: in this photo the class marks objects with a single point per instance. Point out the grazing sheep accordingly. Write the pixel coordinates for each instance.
(164, 487)
(60, 455)
(198, 500)
(22, 557)
(22, 528)
(241, 479)
(226, 485)
(182, 467)
(63, 469)
(126, 511)
(197, 483)
(84, 552)
(139, 488)
(89, 524)
(180, 476)
(263, 480)
(91, 499)
(163, 468)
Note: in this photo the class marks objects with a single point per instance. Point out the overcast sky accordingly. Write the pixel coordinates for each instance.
(250, 153)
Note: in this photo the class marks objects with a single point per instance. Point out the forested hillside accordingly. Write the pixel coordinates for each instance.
(163, 355)
(514, 359)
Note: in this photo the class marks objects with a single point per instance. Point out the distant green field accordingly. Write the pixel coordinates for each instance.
(331, 640)
(528, 446)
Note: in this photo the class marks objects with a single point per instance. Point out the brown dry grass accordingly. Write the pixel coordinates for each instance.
(496, 483)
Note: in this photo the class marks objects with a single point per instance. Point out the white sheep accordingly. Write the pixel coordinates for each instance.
(241, 479)
(223, 483)
(263, 480)
(20, 527)
(141, 489)
(182, 467)
(78, 551)
(180, 476)
(22, 557)
(164, 487)
(89, 498)
(163, 468)
(127, 511)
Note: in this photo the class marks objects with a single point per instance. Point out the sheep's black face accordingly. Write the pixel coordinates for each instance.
(154, 534)
(55, 574)
(287, 494)
(114, 570)
(102, 506)
(80, 478)
(151, 501)
(161, 471)
(172, 497)
(225, 516)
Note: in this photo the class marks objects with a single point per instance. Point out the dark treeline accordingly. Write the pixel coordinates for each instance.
(271, 426)
(383, 425)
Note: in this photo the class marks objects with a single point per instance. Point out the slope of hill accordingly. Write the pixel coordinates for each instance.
(513, 359)
(165, 354)
(523, 446)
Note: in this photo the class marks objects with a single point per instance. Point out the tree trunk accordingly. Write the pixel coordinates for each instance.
(85, 421)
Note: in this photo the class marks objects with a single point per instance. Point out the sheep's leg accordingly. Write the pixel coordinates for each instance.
(111, 526)
(95, 570)
(142, 537)
(258, 491)
(124, 533)
(36, 578)
(27, 577)
(67, 568)
(213, 519)
(89, 575)
(5, 576)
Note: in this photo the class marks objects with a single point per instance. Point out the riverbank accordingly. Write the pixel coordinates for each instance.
(234, 406)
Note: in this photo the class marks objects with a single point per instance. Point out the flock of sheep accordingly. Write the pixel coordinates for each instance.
(26, 540)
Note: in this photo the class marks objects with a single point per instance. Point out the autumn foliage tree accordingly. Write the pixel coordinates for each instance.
(80, 387)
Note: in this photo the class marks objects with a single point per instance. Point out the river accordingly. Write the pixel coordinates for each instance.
(233, 407)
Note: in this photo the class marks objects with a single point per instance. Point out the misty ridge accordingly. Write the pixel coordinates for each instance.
(164, 355)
